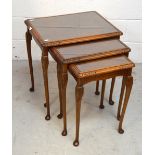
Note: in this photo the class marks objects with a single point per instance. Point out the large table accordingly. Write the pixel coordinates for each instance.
(63, 30)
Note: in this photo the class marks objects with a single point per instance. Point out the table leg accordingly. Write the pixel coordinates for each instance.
(121, 99)
(28, 37)
(60, 115)
(111, 102)
(79, 90)
(64, 80)
(102, 94)
(128, 83)
(97, 88)
(45, 62)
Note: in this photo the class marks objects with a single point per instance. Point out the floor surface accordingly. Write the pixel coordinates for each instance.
(32, 135)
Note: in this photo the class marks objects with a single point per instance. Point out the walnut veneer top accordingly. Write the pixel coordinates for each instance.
(89, 50)
(71, 28)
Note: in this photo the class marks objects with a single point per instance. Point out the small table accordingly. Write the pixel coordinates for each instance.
(62, 30)
(102, 69)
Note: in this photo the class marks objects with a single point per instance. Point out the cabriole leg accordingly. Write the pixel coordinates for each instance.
(121, 98)
(28, 37)
(45, 62)
(111, 102)
(97, 88)
(60, 115)
(102, 94)
(64, 80)
(79, 90)
(128, 83)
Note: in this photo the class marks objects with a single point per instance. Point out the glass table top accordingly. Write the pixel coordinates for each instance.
(92, 50)
(72, 26)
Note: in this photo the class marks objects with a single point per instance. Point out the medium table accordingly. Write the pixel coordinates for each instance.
(62, 30)
(82, 52)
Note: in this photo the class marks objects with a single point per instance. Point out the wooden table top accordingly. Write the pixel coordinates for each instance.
(106, 65)
(88, 50)
(71, 28)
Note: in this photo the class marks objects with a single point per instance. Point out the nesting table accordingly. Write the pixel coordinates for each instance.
(102, 69)
(64, 30)
(89, 47)
(82, 52)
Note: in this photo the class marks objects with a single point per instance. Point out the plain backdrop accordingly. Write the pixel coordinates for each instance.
(148, 67)
(124, 14)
